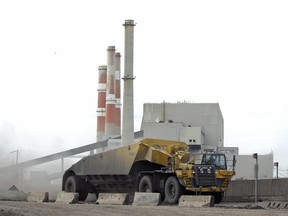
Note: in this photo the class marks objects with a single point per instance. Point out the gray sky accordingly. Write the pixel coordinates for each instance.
(231, 52)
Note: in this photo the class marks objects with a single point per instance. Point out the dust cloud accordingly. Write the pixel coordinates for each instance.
(45, 177)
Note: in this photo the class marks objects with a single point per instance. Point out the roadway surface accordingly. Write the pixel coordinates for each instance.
(8, 208)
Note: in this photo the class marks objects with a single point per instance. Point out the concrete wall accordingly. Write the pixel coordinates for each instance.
(245, 166)
(268, 190)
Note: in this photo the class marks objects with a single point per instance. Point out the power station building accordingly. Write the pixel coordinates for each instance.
(197, 124)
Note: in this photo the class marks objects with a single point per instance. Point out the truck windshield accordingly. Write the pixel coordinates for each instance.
(218, 160)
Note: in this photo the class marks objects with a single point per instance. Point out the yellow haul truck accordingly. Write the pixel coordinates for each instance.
(151, 165)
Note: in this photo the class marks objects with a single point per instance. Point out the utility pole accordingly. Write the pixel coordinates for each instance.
(255, 156)
(17, 155)
(277, 165)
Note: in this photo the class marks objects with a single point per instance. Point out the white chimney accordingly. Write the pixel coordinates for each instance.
(128, 104)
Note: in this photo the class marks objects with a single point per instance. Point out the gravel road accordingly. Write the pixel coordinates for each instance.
(8, 208)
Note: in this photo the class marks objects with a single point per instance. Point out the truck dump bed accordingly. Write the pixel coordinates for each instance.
(117, 169)
(120, 161)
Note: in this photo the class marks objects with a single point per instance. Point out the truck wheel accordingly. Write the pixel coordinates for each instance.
(73, 184)
(145, 184)
(218, 197)
(83, 195)
(173, 190)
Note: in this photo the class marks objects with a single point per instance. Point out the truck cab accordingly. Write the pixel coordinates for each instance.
(218, 160)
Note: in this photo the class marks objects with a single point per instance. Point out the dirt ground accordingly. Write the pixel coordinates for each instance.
(8, 208)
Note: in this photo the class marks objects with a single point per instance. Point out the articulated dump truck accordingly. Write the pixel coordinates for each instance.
(151, 165)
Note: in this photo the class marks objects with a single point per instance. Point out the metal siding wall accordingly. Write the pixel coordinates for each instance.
(205, 115)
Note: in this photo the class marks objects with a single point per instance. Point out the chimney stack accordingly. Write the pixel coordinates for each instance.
(110, 93)
(128, 104)
(101, 102)
(117, 93)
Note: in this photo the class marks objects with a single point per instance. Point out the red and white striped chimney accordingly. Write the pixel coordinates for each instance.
(118, 93)
(110, 93)
(102, 77)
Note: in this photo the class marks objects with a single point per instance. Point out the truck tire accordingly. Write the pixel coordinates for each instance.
(73, 184)
(173, 190)
(145, 184)
(218, 197)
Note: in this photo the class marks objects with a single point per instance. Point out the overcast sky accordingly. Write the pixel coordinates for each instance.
(230, 52)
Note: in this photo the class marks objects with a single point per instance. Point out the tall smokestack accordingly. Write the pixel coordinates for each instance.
(110, 93)
(117, 94)
(102, 77)
(128, 104)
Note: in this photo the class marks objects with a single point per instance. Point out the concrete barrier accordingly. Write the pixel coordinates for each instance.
(277, 205)
(38, 197)
(67, 198)
(112, 199)
(263, 205)
(283, 205)
(196, 201)
(146, 199)
(91, 198)
(12, 195)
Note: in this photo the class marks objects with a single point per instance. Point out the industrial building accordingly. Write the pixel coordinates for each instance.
(197, 124)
